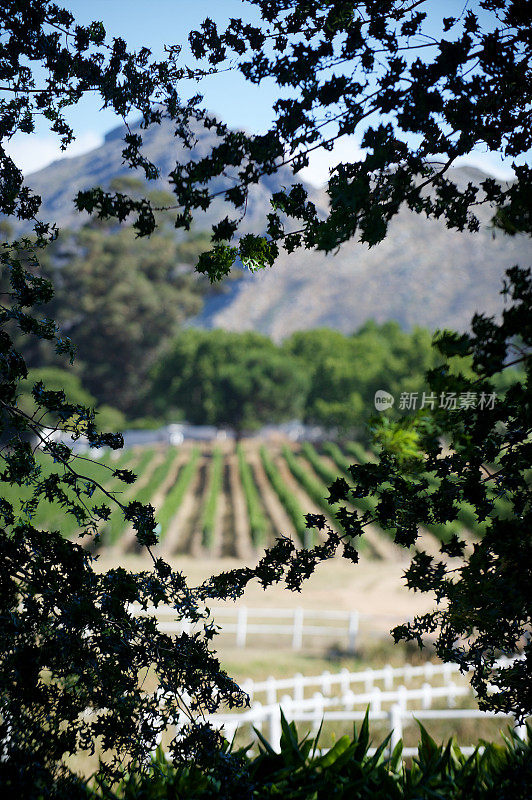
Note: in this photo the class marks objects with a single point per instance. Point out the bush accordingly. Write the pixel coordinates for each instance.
(346, 772)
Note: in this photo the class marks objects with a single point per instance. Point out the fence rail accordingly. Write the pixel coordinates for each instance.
(300, 623)
(345, 680)
(320, 708)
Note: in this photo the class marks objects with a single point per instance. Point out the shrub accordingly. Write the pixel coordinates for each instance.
(347, 771)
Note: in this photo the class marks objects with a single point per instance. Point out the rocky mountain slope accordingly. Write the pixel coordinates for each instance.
(422, 274)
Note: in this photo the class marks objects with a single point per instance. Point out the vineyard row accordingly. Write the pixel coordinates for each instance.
(231, 501)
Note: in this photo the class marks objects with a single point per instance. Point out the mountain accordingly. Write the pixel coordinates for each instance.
(422, 274)
(59, 182)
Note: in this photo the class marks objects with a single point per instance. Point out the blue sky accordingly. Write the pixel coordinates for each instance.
(154, 23)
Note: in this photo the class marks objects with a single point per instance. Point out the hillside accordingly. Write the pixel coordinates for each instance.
(422, 274)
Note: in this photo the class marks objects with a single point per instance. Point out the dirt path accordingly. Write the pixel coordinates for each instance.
(222, 521)
(179, 530)
(281, 522)
(242, 534)
(228, 541)
(193, 540)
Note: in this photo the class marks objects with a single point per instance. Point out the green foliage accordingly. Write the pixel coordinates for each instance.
(116, 523)
(316, 490)
(57, 379)
(222, 378)
(346, 371)
(73, 655)
(329, 477)
(348, 770)
(334, 452)
(257, 521)
(175, 496)
(482, 616)
(211, 505)
(358, 452)
(324, 377)
(121, 298)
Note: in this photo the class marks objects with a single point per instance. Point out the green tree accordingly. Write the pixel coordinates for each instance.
(120, 299)
(476, 454)
(73, 656)
(228, 379)
(346, 371)
(417, 100)
(56, 380)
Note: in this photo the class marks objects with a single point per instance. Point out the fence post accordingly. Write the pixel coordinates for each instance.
(369, 680)
(297, 638)
(241, 626)
(352, 631)
(257, 716)
(230, 729)
(247, 686)
(274, 733)
(271, 691)
(451, 697)
(396, 726)
(299, 688)
(345, 681)
(521, 732)
(318, 712)
(388, 676)
(448, 670)
(348, 700)
(375, 702)
(402, 698)
(426, 700)
(326, 682)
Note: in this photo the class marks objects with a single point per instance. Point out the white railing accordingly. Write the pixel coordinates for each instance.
(319, 709)
(295, 624)
(345, 680)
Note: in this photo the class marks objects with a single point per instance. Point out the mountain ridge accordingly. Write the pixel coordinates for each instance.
(421, 274)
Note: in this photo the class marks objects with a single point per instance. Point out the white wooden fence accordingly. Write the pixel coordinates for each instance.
(395, 704)
(344, 681)
(295, 624)
(320, 709)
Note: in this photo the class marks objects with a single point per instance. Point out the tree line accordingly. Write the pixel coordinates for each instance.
(125, 302)
(320, 376)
